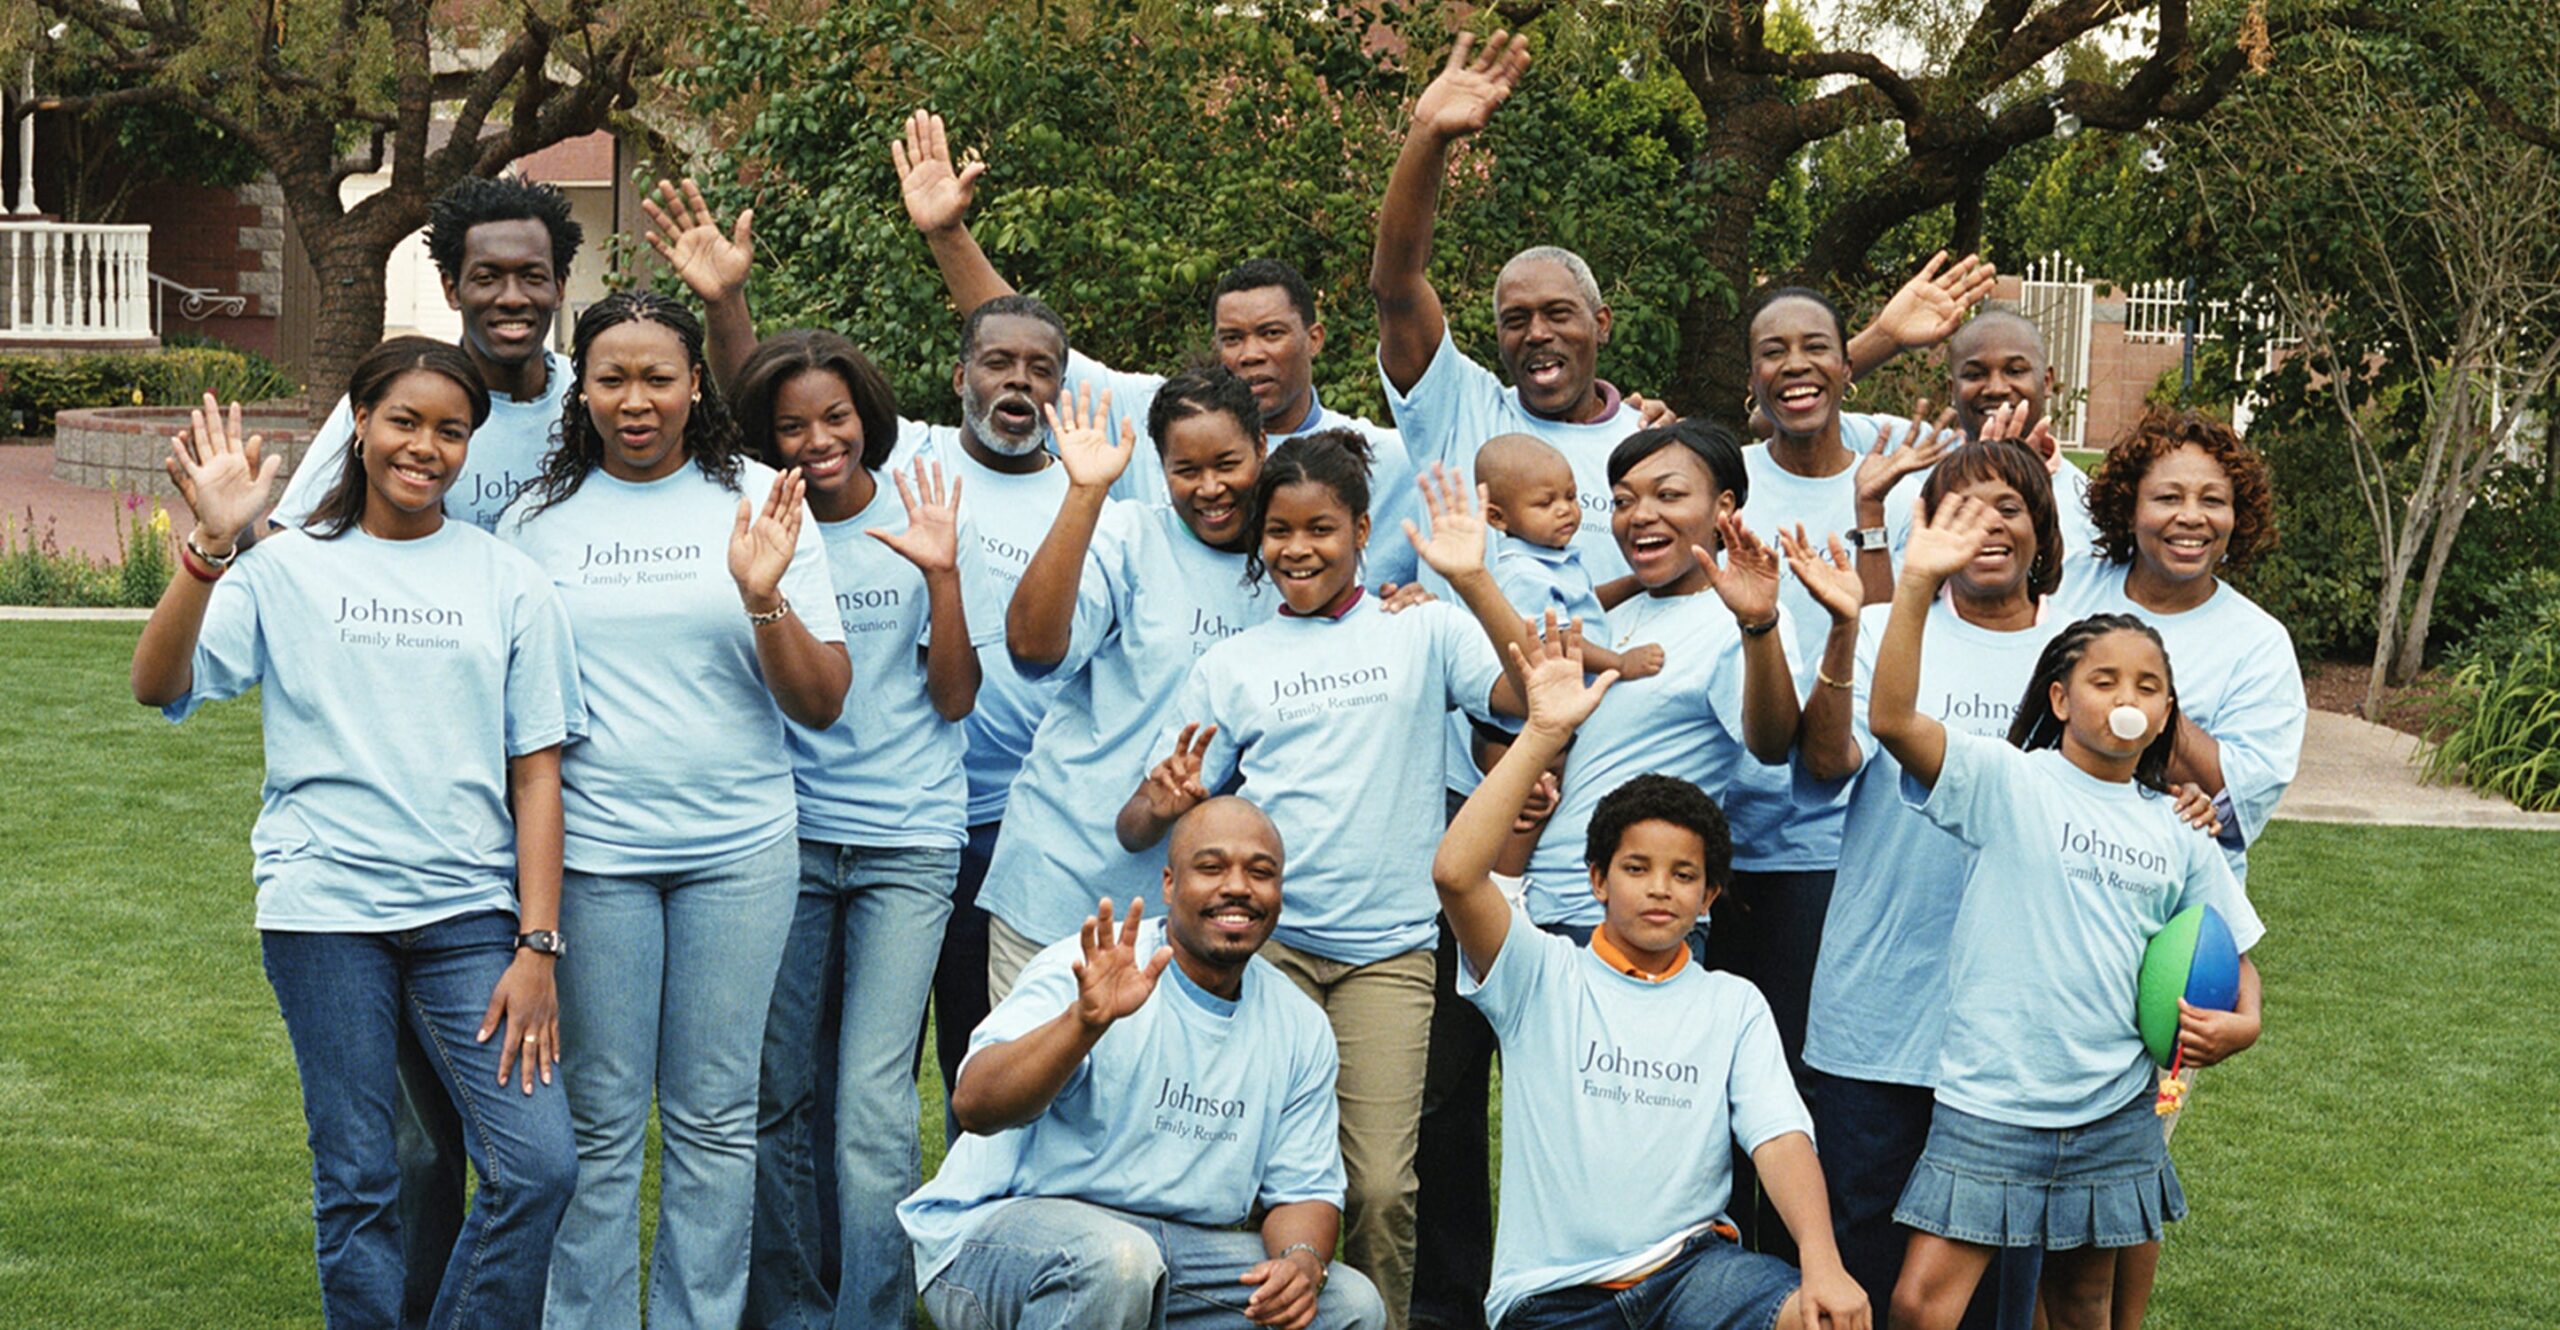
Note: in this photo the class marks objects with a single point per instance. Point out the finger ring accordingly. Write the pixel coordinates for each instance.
(528, 1039)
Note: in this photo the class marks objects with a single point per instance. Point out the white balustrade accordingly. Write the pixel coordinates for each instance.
(73, 283)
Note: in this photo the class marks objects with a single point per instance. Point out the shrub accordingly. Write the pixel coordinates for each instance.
(36, 570)
(34, 388)
(2505, 734)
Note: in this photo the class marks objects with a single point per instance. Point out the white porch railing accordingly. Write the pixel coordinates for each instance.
(72, 283)
(2057, 296)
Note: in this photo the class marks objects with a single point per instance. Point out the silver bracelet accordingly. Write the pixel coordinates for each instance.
(1324, 1263)
(211, 562)
(773, 615)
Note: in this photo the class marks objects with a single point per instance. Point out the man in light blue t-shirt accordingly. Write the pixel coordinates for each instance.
(1145, 1090)
(1263, 325)
(1627, 1068)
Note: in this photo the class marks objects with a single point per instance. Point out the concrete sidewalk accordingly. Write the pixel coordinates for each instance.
(2357, 772)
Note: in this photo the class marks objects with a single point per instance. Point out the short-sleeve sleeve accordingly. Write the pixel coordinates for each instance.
(1973, 787)
(808, 583)
(1468, 667)
(1529, 585)
(1045, 988)
(1760, 1091)
(322, 463)
(981, 599)
(1102, 593)
(1512, 986)
(2259, 728)
(1723, 679)
(544, 704)
(231, 646)
(1306, 1161)
(2209, 882)
(1452, 390)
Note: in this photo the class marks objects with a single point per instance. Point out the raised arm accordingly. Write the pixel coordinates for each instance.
(226, 483)
(686, 233)
(1559, 701)
(1171, 789)
(938, 197)
(1041, 619)
(931, 542)
(1926, 311)
(1747, 582)
(1940, 543)
(1456, 552)
(1878, 472)
(1826, 736)
(1008, 1084)
(1458, 103)
(808, 678)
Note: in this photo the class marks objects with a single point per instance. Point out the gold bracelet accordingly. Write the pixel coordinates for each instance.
(1828, 681)
(771, 616)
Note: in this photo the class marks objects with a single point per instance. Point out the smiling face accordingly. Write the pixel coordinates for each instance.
(1662, 506)
(2182, 516)
(1221, 888)
(1654, 888)
(1264, 341)
(1210, 464)
(1994, 361)
(412, 443)
(1799, 367)
(639, 386)
(1550, 337)
(2121, 668)
(817, 429)
(2000, 570)
(1311, 544)
(1003, 383)
(506, 291)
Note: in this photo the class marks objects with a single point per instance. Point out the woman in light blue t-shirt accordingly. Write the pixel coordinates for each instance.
(681, 562)
(407, 853)
(2043, 1132)
(883, 801)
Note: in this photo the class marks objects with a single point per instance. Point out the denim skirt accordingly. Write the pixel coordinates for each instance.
(2107, 1183)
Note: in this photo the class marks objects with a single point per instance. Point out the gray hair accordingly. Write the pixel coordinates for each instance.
(1572, 263)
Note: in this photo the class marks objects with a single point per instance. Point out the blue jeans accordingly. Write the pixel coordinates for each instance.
(663, 993)
(960, 979)
(427, 1136)
(1871, 1133)
(346, 998)
(843, 1030)
(1050, 1264)
(1713, 1284)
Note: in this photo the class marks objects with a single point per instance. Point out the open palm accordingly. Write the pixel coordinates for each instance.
(1082, 430)
(1456, 544)
(686, 233)
(936, 193)
(1472, 86)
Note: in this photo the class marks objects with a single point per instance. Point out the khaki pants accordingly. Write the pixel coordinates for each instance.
(1007, 952)
(1381, 1017)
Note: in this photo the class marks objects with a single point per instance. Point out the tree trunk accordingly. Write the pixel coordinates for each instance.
(2395, 579)
(2411, 655)
(1713, 369)
(349, 320)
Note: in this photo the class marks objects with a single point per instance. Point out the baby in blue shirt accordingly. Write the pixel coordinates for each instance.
(1627, 1069)
(1529, 497)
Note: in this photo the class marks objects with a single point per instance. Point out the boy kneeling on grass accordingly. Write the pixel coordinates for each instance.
(1625, 1067)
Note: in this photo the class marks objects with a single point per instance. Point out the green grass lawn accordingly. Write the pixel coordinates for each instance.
(2388, 1157)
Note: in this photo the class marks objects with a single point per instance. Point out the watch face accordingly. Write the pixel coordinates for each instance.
(548, 943)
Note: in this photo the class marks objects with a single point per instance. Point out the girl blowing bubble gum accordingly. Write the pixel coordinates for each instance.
(2080, 857)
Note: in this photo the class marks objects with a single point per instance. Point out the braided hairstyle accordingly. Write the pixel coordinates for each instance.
(1337, 459)
(710, 436)
(2037, 727)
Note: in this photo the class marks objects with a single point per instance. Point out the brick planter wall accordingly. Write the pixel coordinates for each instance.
(120, 448)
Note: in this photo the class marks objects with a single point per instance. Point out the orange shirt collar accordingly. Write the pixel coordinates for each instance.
(1617, 960)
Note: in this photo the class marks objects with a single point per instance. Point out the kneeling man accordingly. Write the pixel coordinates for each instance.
(1142, 1094)
(1626, 1067)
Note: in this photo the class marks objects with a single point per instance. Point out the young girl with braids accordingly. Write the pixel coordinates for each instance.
(416, 688)
(2043, 1133)
(681, 561)
(1330, 716)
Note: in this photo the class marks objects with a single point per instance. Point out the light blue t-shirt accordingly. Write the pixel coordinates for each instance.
(1011, 513)
(1536, 579)
(1393, 498)
(1150, 600)
(2072, 876)
(399, 678)
(506, 454)
(1621, 1102)
(2238, 680)
(1333, 727)
(888, 773)
(1778, 827)
(1878, 1010)
(1191, 1109)
(684, 766)
(1685, 722)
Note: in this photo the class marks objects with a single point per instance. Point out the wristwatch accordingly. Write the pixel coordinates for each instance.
(546, 941)
(1867, 538)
